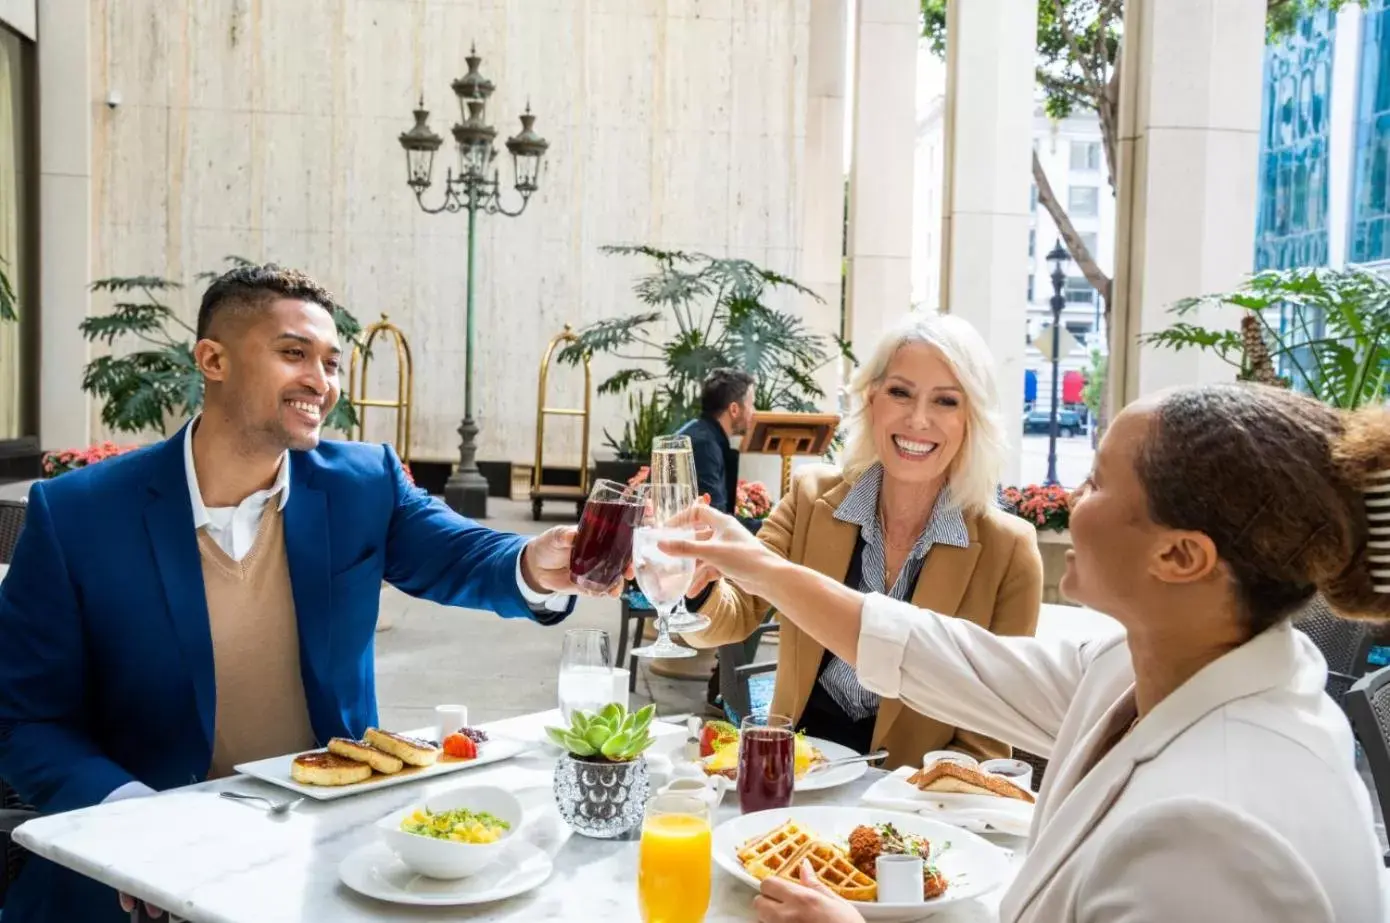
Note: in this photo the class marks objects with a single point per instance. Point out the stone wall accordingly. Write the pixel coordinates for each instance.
(267, 129)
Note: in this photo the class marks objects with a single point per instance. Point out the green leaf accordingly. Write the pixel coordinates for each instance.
(615, 745)
(579, 746)
(597, 734)
(559, 736)
(612, 713)
(579, 721)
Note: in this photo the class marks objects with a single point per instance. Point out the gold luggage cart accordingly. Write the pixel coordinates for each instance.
(570, 493)
(405, 385)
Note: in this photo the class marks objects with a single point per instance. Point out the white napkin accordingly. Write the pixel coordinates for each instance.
(978, 813)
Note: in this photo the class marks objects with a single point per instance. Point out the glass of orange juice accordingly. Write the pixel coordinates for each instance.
(673, 879)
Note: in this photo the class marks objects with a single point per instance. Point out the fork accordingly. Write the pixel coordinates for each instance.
(272, 807)
(849, 761)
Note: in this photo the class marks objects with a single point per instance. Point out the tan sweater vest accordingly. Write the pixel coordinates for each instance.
(261, 709)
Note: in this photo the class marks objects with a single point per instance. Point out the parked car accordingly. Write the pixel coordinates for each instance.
(1069, 422)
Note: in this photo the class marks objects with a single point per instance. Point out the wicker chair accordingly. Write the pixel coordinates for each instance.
(1368, 706)
(1344, 644)
(11, 523)
(13, 812)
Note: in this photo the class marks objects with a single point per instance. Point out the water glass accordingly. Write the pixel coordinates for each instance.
(586, 679)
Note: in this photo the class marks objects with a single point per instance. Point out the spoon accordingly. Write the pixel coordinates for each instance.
(849, 761)
(273, 807)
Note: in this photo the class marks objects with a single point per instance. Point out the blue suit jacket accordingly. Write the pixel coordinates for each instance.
(106, 667)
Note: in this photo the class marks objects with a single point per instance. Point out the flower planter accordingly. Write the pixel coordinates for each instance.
(600, 799)
(1054, 546)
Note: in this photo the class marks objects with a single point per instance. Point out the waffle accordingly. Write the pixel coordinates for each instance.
(832, 866)
(768, 855)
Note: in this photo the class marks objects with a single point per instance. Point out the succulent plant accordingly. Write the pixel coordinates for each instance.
(613, 734)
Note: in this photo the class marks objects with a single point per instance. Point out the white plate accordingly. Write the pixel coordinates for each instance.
(980, 813)
(375, 871)
(276, 770)
(973, 866)
(830, 778)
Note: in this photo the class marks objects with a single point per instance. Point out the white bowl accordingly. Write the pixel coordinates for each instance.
(448, 859)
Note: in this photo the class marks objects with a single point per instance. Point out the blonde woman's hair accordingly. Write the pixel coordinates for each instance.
(974, 473)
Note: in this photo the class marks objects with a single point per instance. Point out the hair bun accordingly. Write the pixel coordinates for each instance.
(1360, 587)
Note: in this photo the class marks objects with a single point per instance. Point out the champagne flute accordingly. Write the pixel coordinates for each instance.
(673, 466)
(662, 578)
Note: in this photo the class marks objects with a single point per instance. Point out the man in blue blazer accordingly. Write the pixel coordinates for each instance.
(214, 598)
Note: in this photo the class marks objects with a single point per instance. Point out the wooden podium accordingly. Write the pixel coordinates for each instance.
(788, 435)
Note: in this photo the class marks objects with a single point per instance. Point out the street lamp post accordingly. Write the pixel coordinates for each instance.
(1058, 256)
(474, 187)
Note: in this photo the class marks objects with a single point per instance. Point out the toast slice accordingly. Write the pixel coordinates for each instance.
(365, 753)
(406, 749)
(958, 779)
(323, 768)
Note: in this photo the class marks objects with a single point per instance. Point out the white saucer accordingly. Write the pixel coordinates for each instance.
(375, 871)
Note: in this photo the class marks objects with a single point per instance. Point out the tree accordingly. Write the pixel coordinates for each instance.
(1078, 68)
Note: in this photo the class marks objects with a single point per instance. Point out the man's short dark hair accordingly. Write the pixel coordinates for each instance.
(724, 387)
(251, 287)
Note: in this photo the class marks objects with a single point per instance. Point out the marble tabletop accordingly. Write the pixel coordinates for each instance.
(212, 860)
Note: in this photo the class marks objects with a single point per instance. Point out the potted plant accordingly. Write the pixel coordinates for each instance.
(601, 780)
(702, 313)
(648, 418)
(1048, 509)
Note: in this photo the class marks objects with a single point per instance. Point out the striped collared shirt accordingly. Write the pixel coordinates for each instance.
(945, 527)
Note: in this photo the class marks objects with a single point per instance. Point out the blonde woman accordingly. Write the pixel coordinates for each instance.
(911, 515)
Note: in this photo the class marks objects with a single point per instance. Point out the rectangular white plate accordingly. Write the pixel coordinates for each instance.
(276, 770)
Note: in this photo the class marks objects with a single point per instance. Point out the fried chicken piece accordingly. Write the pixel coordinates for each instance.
(865, 846)
(933, 883)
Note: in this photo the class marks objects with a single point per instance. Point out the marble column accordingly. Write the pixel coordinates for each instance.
(881, 181)
(823, 200)
(1189, 120)
(65, 225)
(985, 214)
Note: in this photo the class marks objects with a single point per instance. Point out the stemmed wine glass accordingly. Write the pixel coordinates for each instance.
(662, 578)
(673, 467)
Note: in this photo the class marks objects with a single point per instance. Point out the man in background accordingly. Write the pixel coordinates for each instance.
(726, 406)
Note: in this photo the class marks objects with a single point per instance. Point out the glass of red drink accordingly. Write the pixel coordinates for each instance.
(766, 763)
(603, 547)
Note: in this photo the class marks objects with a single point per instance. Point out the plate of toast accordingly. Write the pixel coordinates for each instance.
(379, 760)
(842, 844)
(959, 794)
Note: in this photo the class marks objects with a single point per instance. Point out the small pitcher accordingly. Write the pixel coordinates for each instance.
(710, 789)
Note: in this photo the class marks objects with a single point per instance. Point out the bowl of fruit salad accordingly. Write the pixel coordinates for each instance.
(454, 834)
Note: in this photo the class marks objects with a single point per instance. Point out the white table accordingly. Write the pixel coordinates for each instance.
(4, 569)
(212, 860)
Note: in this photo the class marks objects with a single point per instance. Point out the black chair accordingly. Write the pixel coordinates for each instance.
(1368, 706)
(635, 612)
(13, 812)
(1344, 643)
(736, 667)
(11, 523)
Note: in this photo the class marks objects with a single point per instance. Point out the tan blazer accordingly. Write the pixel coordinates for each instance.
(1235, 799)
(996, 583)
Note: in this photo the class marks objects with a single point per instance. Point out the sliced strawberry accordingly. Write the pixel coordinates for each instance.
(716, 735)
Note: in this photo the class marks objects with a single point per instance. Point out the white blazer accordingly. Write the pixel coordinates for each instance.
(1236, 799)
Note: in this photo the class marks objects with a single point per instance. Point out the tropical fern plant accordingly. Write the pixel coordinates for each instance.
(720, 322)
(140, 389)
(1330, 328)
